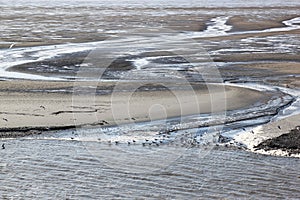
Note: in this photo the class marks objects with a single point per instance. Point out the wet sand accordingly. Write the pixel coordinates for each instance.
(253, 23)
(91, 28)
(27, 111)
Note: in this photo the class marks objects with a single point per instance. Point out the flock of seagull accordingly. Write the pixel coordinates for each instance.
(165, 139)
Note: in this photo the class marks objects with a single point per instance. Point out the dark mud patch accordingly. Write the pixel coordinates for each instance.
(92, 64)
(27, 131)
(69, 65)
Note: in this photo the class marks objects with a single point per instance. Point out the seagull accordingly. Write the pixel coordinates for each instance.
(3, 146)
(43, 107)
(5, 119)
(12, 45)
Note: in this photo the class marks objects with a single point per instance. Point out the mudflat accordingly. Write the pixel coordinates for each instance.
(52, 110)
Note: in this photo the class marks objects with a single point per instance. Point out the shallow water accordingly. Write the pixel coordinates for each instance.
(65, 169)
(185, 164)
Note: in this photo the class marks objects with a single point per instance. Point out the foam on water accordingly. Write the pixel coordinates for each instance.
(218, 27)
(139, 63)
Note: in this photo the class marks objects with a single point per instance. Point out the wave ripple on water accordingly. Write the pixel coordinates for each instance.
(63, 169)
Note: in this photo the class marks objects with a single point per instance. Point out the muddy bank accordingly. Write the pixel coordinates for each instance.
(277, 138)
(288, 142)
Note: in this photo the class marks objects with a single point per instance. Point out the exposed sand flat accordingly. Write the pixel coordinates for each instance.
(239, 36)
(288, 72)
(246, 57)
(244, 23)
(172, 18)
(19, 110)
(280, 67)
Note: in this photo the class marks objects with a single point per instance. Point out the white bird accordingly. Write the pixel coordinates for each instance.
(11, 46)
